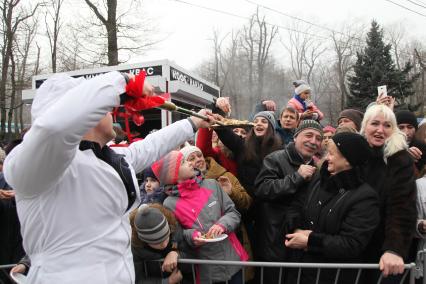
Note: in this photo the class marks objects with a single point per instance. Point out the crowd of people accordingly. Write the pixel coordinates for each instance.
(284, 188)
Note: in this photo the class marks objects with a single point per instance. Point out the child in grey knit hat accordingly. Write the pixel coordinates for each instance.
(155, 235)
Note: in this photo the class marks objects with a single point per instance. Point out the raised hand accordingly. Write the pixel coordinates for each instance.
(270, 105)
(224, 105)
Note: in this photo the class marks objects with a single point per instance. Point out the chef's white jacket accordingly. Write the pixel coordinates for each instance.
(72, 205)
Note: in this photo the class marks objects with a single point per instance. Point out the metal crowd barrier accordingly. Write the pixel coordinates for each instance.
(409, 269)
(421, 259)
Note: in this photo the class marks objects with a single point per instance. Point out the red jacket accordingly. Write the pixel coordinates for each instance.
(204, 142)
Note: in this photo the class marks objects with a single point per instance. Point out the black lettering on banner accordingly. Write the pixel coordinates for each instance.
(150, 71)
(176, 75)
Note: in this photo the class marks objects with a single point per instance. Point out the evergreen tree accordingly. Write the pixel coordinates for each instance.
(375, 67)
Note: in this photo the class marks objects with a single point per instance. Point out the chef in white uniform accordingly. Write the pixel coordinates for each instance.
(73, 193)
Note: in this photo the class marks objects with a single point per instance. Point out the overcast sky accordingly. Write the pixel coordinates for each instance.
(188, 29)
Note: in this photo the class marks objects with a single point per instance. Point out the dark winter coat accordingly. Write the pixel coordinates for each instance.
(394, 182)
(275, 187)
(287, 135)
(11, 250)
(342, 212)
(246, 171)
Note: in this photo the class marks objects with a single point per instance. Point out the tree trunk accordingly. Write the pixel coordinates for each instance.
(37, 62)
(12, 98)
(7, 51)
(21, 116)
(342, 85)
(112, 33)
(111, 26)
(422, 101)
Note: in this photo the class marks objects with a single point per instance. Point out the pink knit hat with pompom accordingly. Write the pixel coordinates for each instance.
(167, 169)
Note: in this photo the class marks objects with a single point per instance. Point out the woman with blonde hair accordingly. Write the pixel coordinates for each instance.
(391, 173)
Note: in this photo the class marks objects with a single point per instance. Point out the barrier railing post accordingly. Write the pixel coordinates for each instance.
(412, 274)
(336, 280)
(318, 275)
(422, 257)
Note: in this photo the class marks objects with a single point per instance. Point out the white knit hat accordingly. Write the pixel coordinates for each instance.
(188, 150)
(302, 88)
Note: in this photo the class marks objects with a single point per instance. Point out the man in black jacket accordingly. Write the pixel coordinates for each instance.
(283, 173)
(407, 123)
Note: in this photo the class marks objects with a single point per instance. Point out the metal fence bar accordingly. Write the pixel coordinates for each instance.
(412, 274)
(244, 274)
(279, 275)
(299, 274)
(404, 276)
(337, 276)
(288, 264)
(272, 264)
(421, 256)
(410, 269)
(194, 276)
(318, 275)
(358, 276)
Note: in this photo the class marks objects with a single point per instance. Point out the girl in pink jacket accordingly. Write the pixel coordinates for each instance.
(203, 209)
(303, 105)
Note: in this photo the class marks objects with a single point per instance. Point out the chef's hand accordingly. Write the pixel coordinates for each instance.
(201, 123)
